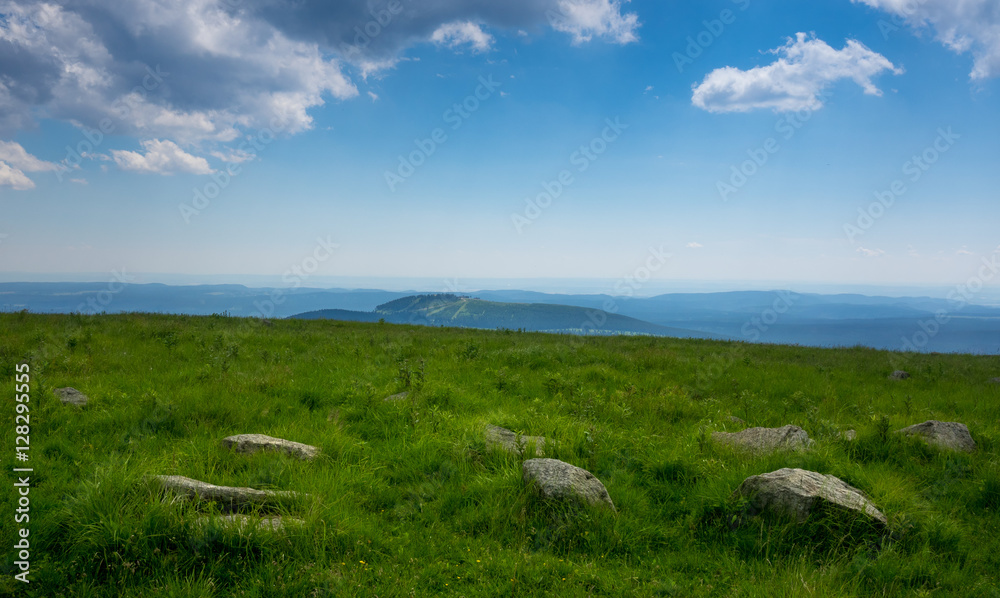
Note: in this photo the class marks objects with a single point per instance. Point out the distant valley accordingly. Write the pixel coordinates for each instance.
(913, 323)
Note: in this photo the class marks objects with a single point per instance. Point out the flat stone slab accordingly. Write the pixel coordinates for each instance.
(947, 435)
(557, 480)
(400, 396)
(251, 443)
(232, 497)
(797, 492)
(242, 523)
(899, 375)
(514, 443)
(766, 440)
(71, 396)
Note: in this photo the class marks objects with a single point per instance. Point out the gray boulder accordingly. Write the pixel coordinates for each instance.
(241, 523)
(899, 375)
(796, 493)
(514, 443)
(766, 440)
(228, 496)
(71, 396)
(557, 480)
(947, 435)
(251, 443)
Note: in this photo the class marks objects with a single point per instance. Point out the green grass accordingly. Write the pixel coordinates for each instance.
(407, 500)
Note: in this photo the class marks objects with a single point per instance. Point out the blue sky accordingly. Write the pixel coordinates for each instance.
(747, 141)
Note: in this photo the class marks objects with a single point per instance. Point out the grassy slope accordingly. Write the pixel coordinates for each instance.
(408, 500)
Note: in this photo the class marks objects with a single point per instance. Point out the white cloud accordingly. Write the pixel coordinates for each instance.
(961, 25)
(805, 67)
(79, 181)
(694, 245)
(161, 157)
(12, 153)
(456, 34)
(584, 19)
(12, 177)
(964, 251)
(870, 252)
(373, 96)
(238, 73)
(15, 161)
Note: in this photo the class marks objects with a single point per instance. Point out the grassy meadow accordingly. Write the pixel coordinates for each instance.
(407, 499)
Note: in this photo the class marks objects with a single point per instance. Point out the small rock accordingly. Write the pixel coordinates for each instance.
(398, 396)
(513, 443)
(766, 440)
(737, 420)
(71, 396)
(947, 435)
(796, 492)
(995, 380)
(251, 443)
(849, 435)
(554, 479)
(231, 497)
(899, 375)
(240, 523)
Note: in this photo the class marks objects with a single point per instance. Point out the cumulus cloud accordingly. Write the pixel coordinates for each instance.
(204, 73)
(961, 25)
(12, 153)
(12, 177)
(161, 157)
(584, 19)
(805, 67)
(15, 161)
(457, 34)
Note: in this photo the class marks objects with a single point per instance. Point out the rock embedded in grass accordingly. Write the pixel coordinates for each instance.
(514, 443)
(400, 396)
(71, 396)
(995, 380)
(947, 435)
(557, 480)
(797, 492)
(229, 496)
(251, 443)
(766, 440)
(899, 375)
(241, 523)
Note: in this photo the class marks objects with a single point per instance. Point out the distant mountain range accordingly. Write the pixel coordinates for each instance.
(468, 312)
(913, 323)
